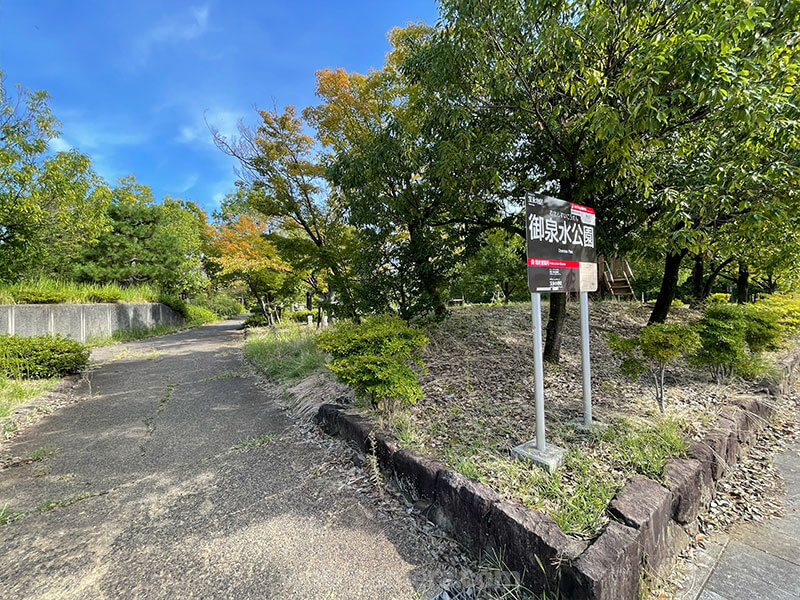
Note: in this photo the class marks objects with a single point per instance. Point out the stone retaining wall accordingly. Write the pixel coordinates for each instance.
(650, 523)
(84, 322)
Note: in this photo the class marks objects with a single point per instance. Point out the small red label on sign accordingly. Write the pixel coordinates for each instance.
(558, 264)
(582, 208)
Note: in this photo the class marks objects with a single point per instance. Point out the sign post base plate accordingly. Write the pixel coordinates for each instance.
(551, 458)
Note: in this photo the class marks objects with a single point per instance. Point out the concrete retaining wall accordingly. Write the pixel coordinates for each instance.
(84, 322)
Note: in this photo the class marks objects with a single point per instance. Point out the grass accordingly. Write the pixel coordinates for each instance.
(255, 442)
(576, 496)
(47, 290)
(17, 391)
(49, 505)
(286, 353)
(9, 515)
(42, 453)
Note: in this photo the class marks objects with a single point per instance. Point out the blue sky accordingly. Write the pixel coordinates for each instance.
(131, 82)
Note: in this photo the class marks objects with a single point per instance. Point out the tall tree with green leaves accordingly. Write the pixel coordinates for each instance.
(50, 205)
(590, 87)
(282, 181)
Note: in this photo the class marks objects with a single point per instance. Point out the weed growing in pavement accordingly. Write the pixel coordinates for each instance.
(256, 442)
(42, 453)
(8, 515)
(49, 505)
(375, 475)
(41, 470)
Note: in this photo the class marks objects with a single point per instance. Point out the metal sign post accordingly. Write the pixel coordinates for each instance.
(538, 369)
(561, 259)
(586, 369)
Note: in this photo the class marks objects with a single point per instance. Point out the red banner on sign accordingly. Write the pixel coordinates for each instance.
(556, 264)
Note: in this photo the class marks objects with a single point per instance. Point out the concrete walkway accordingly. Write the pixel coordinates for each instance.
(145, 496)
(761, 561)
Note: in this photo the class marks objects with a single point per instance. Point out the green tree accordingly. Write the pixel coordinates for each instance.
(138, 247)
(594, 89)
(283, 183)
(496, 267)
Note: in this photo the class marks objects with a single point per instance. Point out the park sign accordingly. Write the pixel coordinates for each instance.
(561, 245)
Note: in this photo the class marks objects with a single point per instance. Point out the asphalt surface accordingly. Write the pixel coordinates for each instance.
(146, 497)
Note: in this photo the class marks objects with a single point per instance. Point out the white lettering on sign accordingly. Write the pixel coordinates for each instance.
(560, 232)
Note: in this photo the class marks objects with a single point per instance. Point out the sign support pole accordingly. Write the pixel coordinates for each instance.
(585, 360)
(538, 369)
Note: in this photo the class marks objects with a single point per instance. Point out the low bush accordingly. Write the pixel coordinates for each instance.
(652, 351)
(787, 307)
(220, 304)
(256, 320)
(298, 316)
(197, 315)
(40, 356)
(719, 298)
(376, 356)
(722, 340)
(732, 337)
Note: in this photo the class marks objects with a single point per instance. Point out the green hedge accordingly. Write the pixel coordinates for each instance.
(41, 356)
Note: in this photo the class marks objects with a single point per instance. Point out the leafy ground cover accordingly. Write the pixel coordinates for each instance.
(478, 404)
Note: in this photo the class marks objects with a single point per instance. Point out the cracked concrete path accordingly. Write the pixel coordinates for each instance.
(152, 501)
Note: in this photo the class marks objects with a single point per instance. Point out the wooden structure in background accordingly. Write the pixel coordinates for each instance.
(616, 277)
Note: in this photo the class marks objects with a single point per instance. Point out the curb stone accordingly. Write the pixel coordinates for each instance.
(651, 518)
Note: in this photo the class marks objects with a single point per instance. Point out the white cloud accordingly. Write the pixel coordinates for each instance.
(188, 183)
(59, 144)
(224, 121)
(182, 28)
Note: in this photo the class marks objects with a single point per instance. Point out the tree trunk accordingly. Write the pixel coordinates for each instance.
(423, 268)
(506, 289)
(697, 280)
(558, 302)
(742, 282)
(713, 277)
(669, 285)
(555, 325)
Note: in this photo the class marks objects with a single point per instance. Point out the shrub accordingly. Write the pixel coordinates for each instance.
(220, 304)
(787, 307)
(762, 326)
(653, 350)
(722, 339)
(40, 356)
(256, 320)
(298, 316)
(375, 357)
(197, 315)
(732, 336)
(719, 298)
(175, 304)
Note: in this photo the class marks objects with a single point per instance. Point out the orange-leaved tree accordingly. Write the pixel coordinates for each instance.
(243, 252)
